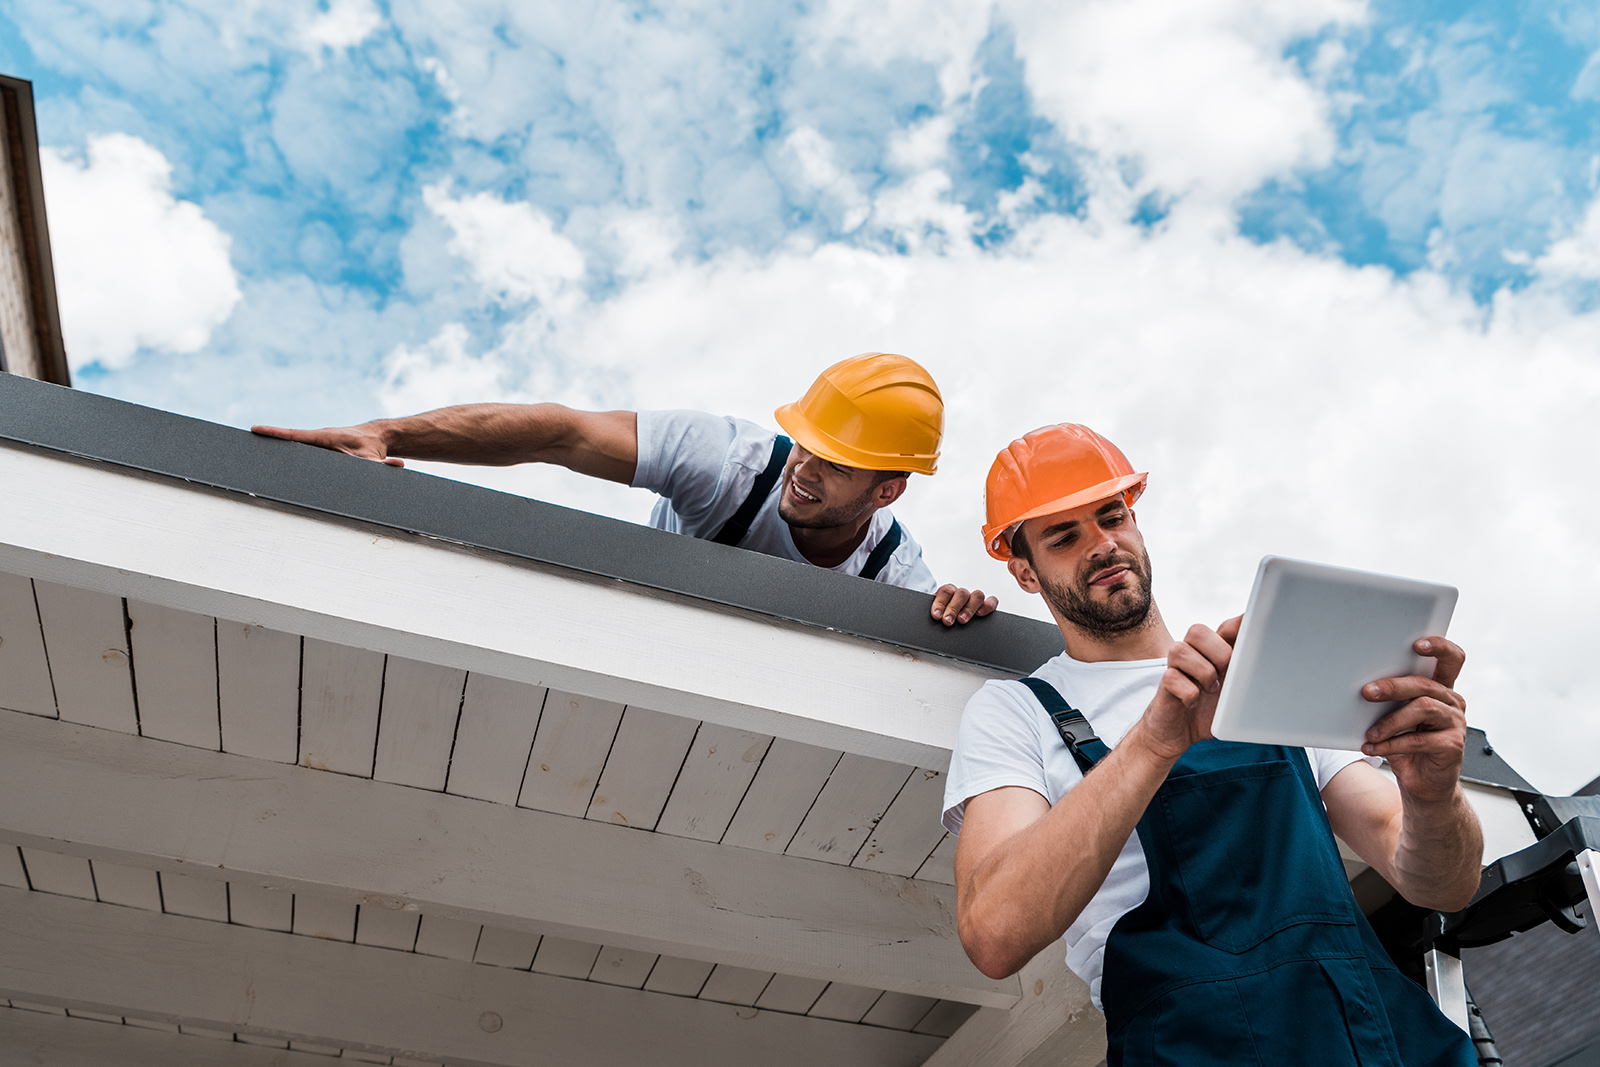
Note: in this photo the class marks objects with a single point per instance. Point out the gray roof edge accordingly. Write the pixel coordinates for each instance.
(1483, 764)
(123, 434)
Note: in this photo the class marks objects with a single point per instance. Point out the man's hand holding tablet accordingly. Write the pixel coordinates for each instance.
(1424, 738)
(1312, 640)
(1310, 688)
(1326, 657)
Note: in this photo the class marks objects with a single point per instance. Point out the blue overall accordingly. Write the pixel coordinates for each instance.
(1249, 948)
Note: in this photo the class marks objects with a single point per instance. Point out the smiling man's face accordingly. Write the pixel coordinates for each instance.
(1091, 566)
(819, 495)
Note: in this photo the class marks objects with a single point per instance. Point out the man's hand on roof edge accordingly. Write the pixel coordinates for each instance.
(952, 604)
(362, 441)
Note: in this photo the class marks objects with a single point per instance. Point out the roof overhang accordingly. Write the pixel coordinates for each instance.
(199, 625)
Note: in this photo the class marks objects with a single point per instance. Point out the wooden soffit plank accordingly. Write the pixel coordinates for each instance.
(63, 1041)
(105, 795)
(124, 961)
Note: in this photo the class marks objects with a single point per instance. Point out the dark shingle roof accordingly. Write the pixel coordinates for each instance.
(1539, 992)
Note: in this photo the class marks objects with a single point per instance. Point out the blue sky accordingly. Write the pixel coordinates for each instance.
(1328, 267)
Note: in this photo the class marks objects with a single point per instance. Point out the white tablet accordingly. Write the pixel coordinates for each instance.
(1312, 636)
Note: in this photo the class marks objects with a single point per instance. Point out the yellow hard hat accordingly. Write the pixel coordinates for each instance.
(875, 411)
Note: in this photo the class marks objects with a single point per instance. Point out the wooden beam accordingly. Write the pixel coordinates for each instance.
(33, 231)
(216, 976)
(1054, 1025)
(105, 795)
(162, 543)
(63, 1041)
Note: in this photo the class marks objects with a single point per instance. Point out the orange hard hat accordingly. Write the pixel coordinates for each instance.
(875, 411)
(1054, 468)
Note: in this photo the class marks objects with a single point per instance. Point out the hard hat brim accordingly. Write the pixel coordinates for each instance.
(995, 541)
(810, 437)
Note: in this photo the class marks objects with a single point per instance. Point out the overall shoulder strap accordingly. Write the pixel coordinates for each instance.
(733, 531)
(1071, 724)
(880, 555)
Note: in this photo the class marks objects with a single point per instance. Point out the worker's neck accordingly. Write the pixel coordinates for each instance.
(831, 545)
(1147, 641)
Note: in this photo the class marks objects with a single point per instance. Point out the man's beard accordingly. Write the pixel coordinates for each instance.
(1120, 614)
(829, 517)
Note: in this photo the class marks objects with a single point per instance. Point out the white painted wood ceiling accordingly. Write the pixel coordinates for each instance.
(103, 661)
(114, 664)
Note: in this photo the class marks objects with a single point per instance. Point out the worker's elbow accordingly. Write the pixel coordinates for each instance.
(1461, 894)
(1446, 898)
(991, 960)
(996, 967)
(989, 949)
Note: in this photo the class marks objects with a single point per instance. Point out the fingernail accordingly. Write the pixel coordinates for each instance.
(1367, 749)
(965, 616)
(1369, 690)
(1423, 646)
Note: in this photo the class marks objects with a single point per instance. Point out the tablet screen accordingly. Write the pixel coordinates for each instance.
(1312, 636)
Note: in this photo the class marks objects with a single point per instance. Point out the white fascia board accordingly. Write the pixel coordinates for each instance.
(217, 976)
(144, 803)
(205, 551)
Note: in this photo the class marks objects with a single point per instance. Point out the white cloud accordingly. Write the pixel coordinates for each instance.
(820, 171)
(439, 373)
(135, 267)
(1586, 86)
(512, 248)
(920, 212)
(644, 242)
(922, 146)
(943, 34)
(1197, 92)
(1576, 256)
(345, 24)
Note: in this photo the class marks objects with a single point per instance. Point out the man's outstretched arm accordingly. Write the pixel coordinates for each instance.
(601, 444)
(1418, 831)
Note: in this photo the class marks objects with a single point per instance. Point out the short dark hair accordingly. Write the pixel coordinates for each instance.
(1019, 544)
(883, 476)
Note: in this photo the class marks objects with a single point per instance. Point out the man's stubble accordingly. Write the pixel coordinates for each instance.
(1118, 615)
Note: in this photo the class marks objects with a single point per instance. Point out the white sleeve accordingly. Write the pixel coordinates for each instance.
(907, 569)
(1327, 762)
(997, 745)
(689, 457)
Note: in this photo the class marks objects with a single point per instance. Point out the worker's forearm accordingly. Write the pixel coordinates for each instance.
(484, 434)
(1027, 892)
(1438, 856)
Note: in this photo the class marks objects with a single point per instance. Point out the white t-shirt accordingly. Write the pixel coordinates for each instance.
(1007, 738)
(704, 466)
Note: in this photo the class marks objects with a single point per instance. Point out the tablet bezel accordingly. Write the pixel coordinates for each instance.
(1381, 649)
